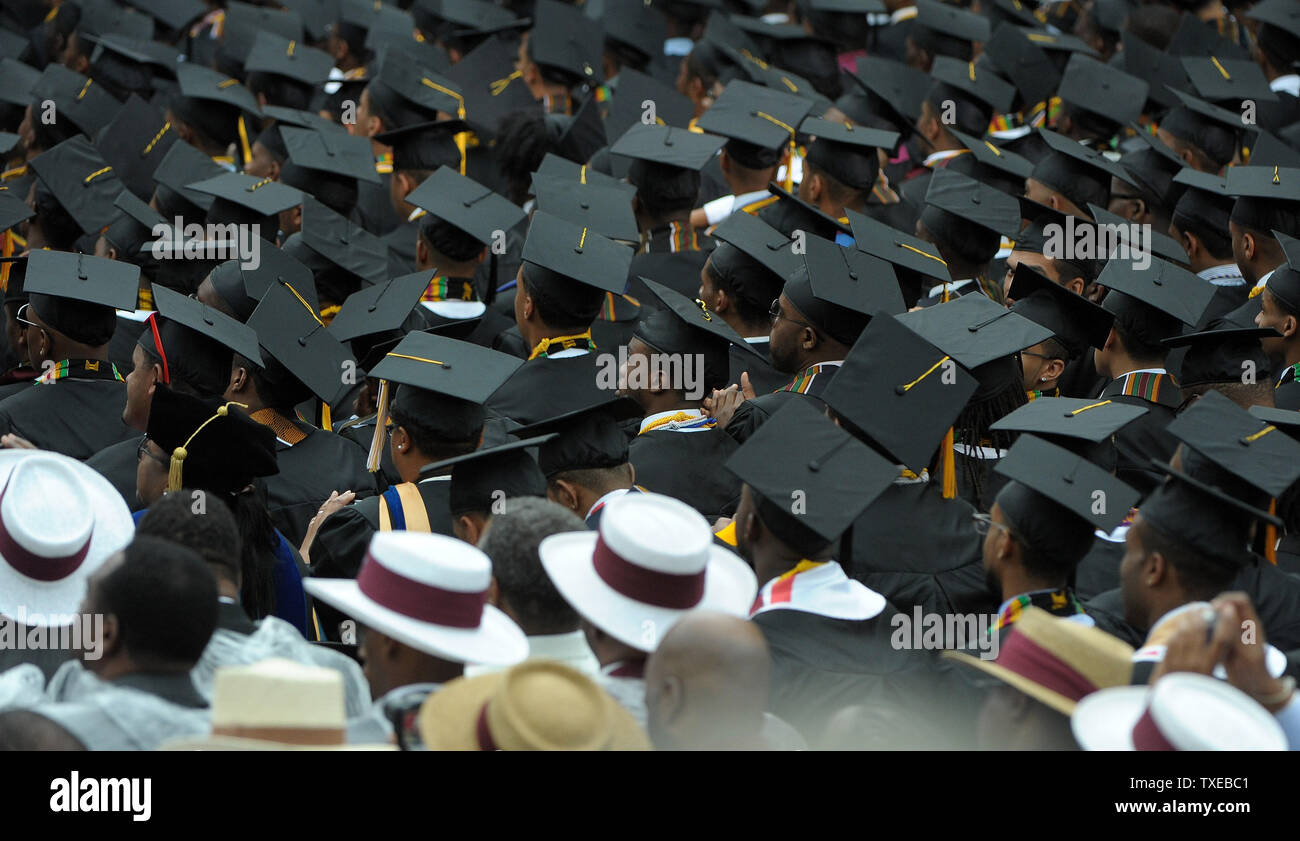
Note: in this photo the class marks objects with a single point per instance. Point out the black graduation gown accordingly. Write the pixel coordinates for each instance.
(71, 416)
(374, 210)
(1145, 438)
(309, 471)
(1081, 378)
(1286, 394)
(361, 431)
(1107, 610)
(341, 543)
(1288, 554)
(983, 468)
(688, 466)
(821, 665)
(752, 414)
(486, 332)
(545, 387)
(917, 548)
(762, 376)
(400, 244)
(1275, 594)
(1098, 571)
(679, 269)
(1225, 300)
(117, 463)
(126, 335)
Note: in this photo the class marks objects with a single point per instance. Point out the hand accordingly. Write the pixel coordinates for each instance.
(335, 502)
(13, 442)
(721, 523)
(1246, 657)
(1191, 646)
(723, 404)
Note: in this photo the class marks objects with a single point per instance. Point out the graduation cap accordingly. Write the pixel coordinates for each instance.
(663, 144)
(986, 87)
(757, 115)
(468, 205)
(603, 210)
(204, 83)
(894, 85)
(1024, 62)
(81, 277)
(575, 252)
(589, 438)
(1162, 245)
(194, 315)
(1219, 356)
(1073, 488)
(1077, 322)
(1267, 149)
(1196, 508)
(1207, 111)
(337, 241)
(381, 308)
(17, 81)
(847, 152)
(1063, 420)
(904, 251)
(1239, 443)
(895, 388)
(1076, 171)
(636, 24)
(1012, 11)
(1195, 37)
(1279, 13)
(173, 14)
(245, 23)
(101, 18)
(330, 152)
(290, 331)
(1162, 70)
(564, 38)
(449, 367)
(1205, 201)
(485, 476)
(262, 196)
(134, 144)
(577, 136)
(1287, 420)
(491, 92)
(1217, 78)
(791, 214)
(952, 21)
(411, 93)
(1155, 300)
(841, 288)
(183, 165)
(469, 16)
(12, 211)
(426, 145)
(1284, 282)
(281, 56)
(1005, 164)
(762, 242)
(134, 226)
(974, 330)
(635, 88)
(1102, 90)
(836, 475)
(683, 326)
(76, 98)
(121, 63)
(82, 182)
(553, 166)
(966, 201)
(211, 444)
(241, 288)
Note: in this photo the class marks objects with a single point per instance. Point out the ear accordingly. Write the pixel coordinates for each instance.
(527, 307)
(749, 527)
(1111, 340)
(721, 301)
(296, 213)
(239, 380)
(1075, 285)
(815, 187)
(470, 529)
(1289, 326)
(157, 372)
(1053, 202)
(1155, 569)
(399, 440)
(1248, 244)
(275, 176)
(421, 250)
(405, 184)
(564, 493)
(1055, 368)
(724, 162)
(1188, 158)
(1190, 244)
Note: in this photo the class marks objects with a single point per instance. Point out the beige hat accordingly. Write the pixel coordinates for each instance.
(276, 704)
(1056, 661)
(536, 705)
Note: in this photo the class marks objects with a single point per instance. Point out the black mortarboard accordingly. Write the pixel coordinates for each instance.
(637, 24)
(903, 250)
(333, 240)
(1205, 201)
(1064, 479)
(281, 56)
(1012, 11)
(1154, 300)
(553, 166)
(1195, 37)
(337, 153)
(952, 21)
(100, 18)
(836, 475)
(1280, 13)
(1162, 245)
(791, 214)
(476, 16)
(1077, 322)
(173, 14)
(841, 288)
(1002, 160)
(291, 332)
(262, 196)
(1211, 357)
(181, 166)
(214, 324)
(900, 391)
(379, 308)
(636, 88)
(1217, 78)
(974, 330)
(198, 82)
(993, 91)
(466, 204)
(1239, 443)
(212, 445)
(491, 93)
(897, 86)
(135, 143)
(195, 358)
(245, 23)
(576, 253)
(753, 114)
(1287, 420)
(1284, 282)
(121, 64)
(134, 226)
(411, 93)
(764, 243)
(589, 438)
(686, 327)
(580, 135)
(602, 209)
(80, 277)
(449, 367)
(16, 82)
(969, 201)
(76, 98)
(83, 182)
(847, 152)
(1196, 509)
(1207, 111)
(1079, 173)
(1025, 63)
(1102, 90)
(1066, 419)
(564, 38)
(12, 211)
(1267, 149)
(1257, 187)
(666, 145)
(427, 145)
(1151, 166)
(1161, 70)
(241, 288)
(485, 477)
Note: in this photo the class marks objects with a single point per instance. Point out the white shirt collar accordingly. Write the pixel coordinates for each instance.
(1290, 83)
(649, 420)
(1226, 274)
(1142, 371)
(905, 13)
(934, 157)
(952, 285)
(416, 214)
(617, 492)
(753, 340)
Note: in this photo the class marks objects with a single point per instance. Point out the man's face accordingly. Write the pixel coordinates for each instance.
(1132, 589)
(361, 127)
(708, 292)
(139, 390)
(261, 164)
(1272, 315)
(788, 331)
(1030, 258)
(207, 295)
(636, 376)
(992, 544)
(151, 470)
(1038, 191)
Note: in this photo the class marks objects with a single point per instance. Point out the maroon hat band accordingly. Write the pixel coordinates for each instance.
(1030, 660)
(1147, 735)
(35, 566)
(418, 600)
(483, 732)
(648, 586)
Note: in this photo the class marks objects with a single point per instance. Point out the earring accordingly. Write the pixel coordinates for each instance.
(1042, 379)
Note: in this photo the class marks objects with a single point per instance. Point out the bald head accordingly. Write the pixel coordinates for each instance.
(707, 684)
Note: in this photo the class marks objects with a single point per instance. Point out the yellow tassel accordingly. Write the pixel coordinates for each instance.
(949, 467)
(381, 428)
(175, 477)
(243, 140)
(326, 421)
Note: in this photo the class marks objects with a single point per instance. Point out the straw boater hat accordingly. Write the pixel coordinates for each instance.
(427, 591)
(1055, 661)
(276, 704)
(59, 521)
(1181, 711)
(653, 560)
(537, 705)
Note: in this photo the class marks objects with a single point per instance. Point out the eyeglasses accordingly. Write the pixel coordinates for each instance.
(984, 521)
(23, 309)
(1039, 355)
(143, 450)
(775, 312)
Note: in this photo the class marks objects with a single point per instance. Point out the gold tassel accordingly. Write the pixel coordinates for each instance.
(175, 470)
(381, 428)
(243, 140)
(326, 421)
(949, 467)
